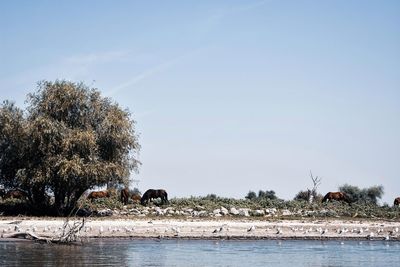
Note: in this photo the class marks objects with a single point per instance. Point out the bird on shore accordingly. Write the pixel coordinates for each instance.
(217, 230)
(371, 235)
(252, 228)
(279, 231)
(176, 230)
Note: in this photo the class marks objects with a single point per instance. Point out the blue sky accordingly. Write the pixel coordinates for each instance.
(229, 96)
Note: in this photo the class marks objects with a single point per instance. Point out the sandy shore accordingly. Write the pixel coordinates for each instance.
(208, 229)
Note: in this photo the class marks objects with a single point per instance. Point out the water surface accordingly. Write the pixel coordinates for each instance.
(126, 252)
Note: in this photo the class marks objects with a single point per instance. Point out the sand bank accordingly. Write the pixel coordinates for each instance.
(208, 229)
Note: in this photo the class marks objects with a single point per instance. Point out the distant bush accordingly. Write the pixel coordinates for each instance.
(304, 195)
(364, 196)
(268, 194)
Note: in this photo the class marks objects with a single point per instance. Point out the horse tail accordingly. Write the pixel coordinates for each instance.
(166, 197)
(326, 197)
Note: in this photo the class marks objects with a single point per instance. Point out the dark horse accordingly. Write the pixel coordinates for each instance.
(98, 194)
(396, 201)
(125, 196)
(338, 196)
(153, 194)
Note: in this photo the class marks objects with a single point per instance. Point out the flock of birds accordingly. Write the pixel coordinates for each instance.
(382, 232)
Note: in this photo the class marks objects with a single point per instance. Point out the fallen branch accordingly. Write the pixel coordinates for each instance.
(70, 234)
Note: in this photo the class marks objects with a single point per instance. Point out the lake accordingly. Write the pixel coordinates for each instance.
(148, 252)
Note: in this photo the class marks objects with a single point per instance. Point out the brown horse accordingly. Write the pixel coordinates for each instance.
(17, 194)
(153, 194)
(397, 201)
(338, 196)
(125, 196)
(2, 192)
(136, 198)
(98, 194)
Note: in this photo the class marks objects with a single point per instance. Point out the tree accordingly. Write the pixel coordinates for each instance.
(366, 195)
(73, 140)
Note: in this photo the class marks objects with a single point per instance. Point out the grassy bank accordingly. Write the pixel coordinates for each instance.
(213, 206)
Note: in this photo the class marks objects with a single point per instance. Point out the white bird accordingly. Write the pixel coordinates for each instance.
(360, 231)
(176, 229)
(371, 235)
(324, 231)
(279, 231)
(101, 230)
(396, 229)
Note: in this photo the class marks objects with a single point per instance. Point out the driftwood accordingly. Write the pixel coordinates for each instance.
(30, 236)
(69, 234)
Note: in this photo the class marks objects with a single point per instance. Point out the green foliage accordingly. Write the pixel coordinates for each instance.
(71, 140)
(251, 195)
(302, 195)
(365, 196)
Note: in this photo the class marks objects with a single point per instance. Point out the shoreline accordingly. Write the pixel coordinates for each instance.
(207, 229)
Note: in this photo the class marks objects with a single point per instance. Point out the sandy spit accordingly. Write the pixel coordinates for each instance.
(208, 229)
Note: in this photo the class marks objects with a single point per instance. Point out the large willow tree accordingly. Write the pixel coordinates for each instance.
(70, 140)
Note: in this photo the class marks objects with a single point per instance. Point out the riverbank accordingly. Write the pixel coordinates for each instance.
(208, 228)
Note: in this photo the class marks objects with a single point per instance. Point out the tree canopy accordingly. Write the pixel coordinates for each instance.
(68, 140)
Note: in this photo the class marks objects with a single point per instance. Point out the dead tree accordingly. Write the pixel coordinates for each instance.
(313, 192)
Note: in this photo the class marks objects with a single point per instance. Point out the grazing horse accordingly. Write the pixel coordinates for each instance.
(397, 201)
(98, 194)
(153, 194)
(15, 193)
(136, 198)
(125, 196)
(338, 196)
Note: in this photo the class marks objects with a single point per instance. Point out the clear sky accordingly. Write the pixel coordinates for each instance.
(229, 96)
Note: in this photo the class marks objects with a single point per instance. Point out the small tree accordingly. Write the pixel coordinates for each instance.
(312, 193)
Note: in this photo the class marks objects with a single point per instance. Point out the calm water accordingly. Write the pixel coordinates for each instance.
(203, 253)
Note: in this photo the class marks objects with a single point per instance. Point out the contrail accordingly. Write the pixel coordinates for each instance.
(151, 71)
